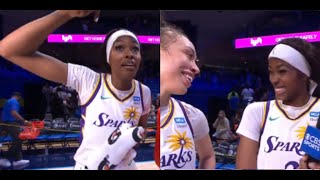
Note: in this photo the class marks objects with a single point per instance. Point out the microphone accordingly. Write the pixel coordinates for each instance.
(311, 143)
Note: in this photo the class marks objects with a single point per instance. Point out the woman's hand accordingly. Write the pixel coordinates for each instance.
(304, 163)
(82, 13)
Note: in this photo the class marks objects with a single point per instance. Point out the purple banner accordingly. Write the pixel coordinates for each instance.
(94, 38)
(274, 39)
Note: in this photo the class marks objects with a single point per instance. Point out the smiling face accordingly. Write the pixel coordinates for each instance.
(288, 82)
(125, 57)
(178, 66)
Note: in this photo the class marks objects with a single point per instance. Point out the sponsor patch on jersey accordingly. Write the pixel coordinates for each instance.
(179, 120)
(136, 99)
(314, 115)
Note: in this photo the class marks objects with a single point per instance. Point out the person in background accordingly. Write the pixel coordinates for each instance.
(222, 127)
(12, 119)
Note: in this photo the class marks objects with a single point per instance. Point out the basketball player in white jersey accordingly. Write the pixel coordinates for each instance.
(107, 100)
(184, 128)
(272, 132)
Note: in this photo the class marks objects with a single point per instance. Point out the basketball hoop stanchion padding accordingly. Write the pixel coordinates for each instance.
(156, 154)
(32, 131)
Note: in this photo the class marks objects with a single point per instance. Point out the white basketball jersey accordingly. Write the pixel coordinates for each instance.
(104, 112)
(282, 134)
(176, 138)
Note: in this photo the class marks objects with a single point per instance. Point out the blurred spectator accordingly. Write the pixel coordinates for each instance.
(222, 126)
(234, 100)
(247, 95)
(47, 92)
(13, 119)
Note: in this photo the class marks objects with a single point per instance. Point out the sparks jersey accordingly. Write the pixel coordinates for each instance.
(181, 124)
(280, 131)
(104, 110)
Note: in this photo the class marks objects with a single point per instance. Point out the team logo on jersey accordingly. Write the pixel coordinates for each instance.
(104, 120)
(136, 99)
(301, 131)
(314, 115)
(289, 145)
(180, 122)
(131, 114)
(181, 142)
(275, 143)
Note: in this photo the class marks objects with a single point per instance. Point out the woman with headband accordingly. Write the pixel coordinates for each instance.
(108, 100)
(271, 132)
